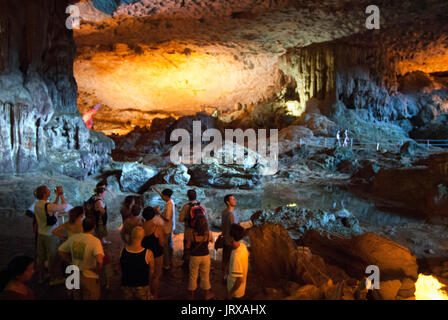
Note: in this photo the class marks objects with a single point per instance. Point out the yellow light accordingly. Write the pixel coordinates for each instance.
(291, 205)
(294, 108)
(429, 288)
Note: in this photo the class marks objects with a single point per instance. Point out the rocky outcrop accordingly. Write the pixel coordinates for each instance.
(394, 260)
(384, 77)
(40, 125)
(273, 253)
(135, 176)
(298, 220)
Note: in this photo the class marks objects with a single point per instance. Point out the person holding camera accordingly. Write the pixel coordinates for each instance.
(47, 243)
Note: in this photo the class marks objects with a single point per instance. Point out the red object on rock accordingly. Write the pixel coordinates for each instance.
(88, 116)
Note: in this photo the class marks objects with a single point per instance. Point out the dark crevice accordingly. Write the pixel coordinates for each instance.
(37, 138)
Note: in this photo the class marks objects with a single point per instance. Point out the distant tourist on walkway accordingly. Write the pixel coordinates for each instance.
(188, 214)
(47, 243)
(85, 251)
(228, 217)
(137, 267)
(73, 225)
(346, 138)
(199, 257)
(13, 279)
(154, 240)
(168, 214)
(338, 138)
(238, 265)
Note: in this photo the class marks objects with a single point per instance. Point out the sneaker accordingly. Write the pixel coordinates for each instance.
(104, 241)
(56, 282)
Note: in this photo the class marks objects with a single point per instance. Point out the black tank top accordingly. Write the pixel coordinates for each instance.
(134, 269)
(199, 249)
(152, 243)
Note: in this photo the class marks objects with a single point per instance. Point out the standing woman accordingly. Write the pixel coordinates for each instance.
(154, 240)
(197, 243)
(73, 225)
(14, 278)
(98, 211)
(126, 207)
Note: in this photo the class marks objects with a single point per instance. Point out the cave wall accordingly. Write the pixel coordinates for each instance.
(37, 90)
(372, 75)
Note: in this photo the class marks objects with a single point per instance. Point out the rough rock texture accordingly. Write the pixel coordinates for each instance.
(245, 172)
(135, 176)
(143, 140)
(394, 260)
(238, 40)
(38, 93)
(419, 188)
(318, 124)
(290, 137)
(389, 289)
(73, 149)
(298, 220)
(369, 73)
(354, 254)
(273, 253)
(175, 175)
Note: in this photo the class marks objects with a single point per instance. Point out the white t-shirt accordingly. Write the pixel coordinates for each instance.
(170, 226)
(238, 266)
(84, 247)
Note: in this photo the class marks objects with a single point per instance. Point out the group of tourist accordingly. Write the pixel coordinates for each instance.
(147, 235)
(343, 142)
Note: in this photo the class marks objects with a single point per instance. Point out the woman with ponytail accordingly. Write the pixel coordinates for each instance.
(13, 279)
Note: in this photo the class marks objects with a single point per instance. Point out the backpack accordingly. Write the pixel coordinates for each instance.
(89, 208)
(195, 211)
(51, 219)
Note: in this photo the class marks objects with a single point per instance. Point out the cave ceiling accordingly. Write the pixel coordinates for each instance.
(146, 59)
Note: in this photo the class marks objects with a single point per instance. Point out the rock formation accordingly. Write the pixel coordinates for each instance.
(40, 125)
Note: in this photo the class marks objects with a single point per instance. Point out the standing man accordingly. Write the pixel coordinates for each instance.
(168, 215)
(185, 216)
(47, 242)
(239, 264)
(228, 218)
(85, 251)
(338, 138)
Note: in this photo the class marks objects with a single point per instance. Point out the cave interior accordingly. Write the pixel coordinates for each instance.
(351, 103)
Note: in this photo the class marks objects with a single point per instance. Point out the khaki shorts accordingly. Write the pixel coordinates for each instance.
(90, 289)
